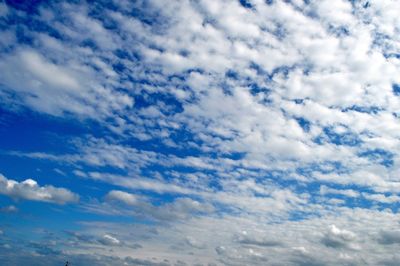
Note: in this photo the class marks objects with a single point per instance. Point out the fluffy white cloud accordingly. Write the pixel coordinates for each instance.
(70, 87)
(30, 190)
(320, 61)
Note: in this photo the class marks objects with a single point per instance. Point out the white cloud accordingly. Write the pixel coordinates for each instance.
(343, 236)
(345, 192)
(139, 183)
(109, 240)
(381, 198)
(122, 196)
(243, 79)
(57, 88)
(30, 190)
(145, 207)
(326, 69)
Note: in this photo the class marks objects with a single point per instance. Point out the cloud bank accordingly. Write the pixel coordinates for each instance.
(204, 132)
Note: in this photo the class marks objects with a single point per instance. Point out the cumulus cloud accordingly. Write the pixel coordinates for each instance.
(338, 238)
(30, 190)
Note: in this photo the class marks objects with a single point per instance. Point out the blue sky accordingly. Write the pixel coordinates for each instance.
(199, 132)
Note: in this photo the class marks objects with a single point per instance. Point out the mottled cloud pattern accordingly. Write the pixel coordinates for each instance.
(200, 132)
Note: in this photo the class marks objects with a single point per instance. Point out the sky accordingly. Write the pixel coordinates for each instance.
(173, 133)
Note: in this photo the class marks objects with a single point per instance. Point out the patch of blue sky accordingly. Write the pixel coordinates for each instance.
(303, 123)
(99, 7)
(298, 216)
(379, 156)
(245, 3)
(258, 69)
(326, 167)
(31, 7)
(367, 4)
(25, 25)
(279, 31)
(281, 178)
(285, 70)
(396, 89)
(232, 74)
(27, 131)
(124, 54)
(256, 89)
(172, 105)
(143, 11)
(63, 217)
(364, 109)
(339, 31)
(392, 55)
(353, 199)
(67, 218)
(380, 41)
(329, 135)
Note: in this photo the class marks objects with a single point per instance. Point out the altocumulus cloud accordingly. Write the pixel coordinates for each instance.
(200, 132)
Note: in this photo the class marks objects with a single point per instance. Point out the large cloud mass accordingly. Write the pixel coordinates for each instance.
(214, 132)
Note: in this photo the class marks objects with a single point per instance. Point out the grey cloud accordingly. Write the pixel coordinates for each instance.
(393, 261)
(46, 256)
(306, 260)
(338, 238)
(105, 239)
(221, 250)
(142, 262)
(262, 243)
(136, 246)
(389, 237)
(45, 249)
(355, 239)
(195, 243)
(257, 239)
